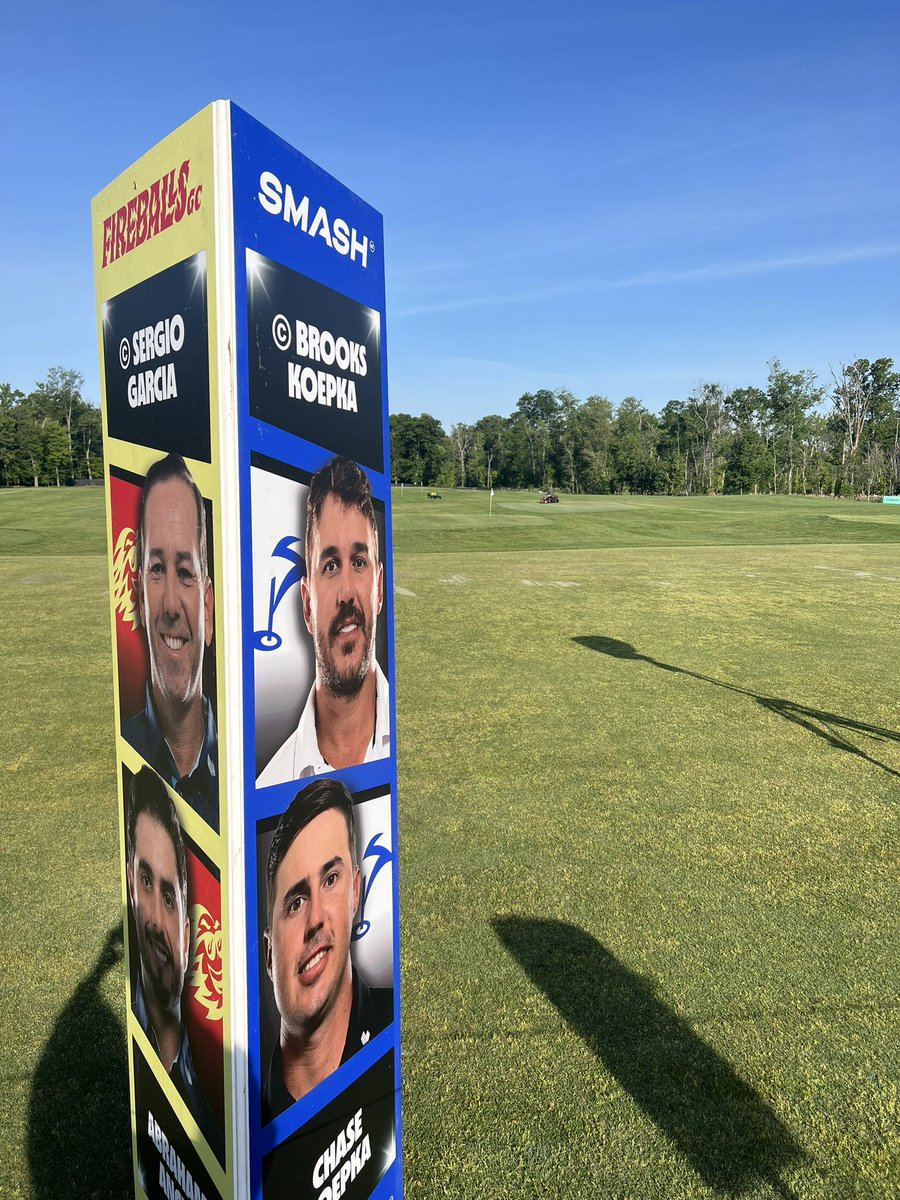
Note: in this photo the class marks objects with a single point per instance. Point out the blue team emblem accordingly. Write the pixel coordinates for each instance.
(268, 639)
(380, 856)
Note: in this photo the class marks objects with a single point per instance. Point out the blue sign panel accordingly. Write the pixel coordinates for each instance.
(319, 782)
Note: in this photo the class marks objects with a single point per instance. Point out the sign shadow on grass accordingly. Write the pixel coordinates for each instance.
(79, 1123)
(729, 1135)
(830, 727)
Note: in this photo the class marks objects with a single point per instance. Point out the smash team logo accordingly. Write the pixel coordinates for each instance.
(279, 200)
(206, 969)
(124, 572)
(163, 204)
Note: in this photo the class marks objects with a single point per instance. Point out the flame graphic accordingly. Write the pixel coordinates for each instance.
(206, 972)
(124, 572)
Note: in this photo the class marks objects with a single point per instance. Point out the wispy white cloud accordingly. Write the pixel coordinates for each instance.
(431, 267)
(809, 260)
(729, 269)
(498, 367)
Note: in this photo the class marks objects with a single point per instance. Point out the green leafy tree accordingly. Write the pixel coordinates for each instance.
(420, 450)
(88, 443)
(594, 421)
(673, 448)
(790, 398)
(59, 398)
(866, 411)
(55, 461)
(491, 434)
(634, 447)
(462, 439)
(12, 460)
(539, 415)
(30, 439)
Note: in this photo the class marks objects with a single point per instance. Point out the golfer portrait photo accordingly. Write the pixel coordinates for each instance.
(326, 1010)
(175, 731)
(346, 716)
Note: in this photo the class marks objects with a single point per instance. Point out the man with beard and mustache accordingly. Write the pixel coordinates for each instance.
(326, 1009)
(176, 731)
(346, 720)
(156, 875)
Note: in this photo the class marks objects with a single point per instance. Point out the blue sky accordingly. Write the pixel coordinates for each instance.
(619, 198)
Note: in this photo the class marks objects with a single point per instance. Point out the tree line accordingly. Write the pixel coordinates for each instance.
(794, 436)
(50, 437)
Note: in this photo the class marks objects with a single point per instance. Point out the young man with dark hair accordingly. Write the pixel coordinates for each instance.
(176, 732)
(346, 720)
(156, 874)
(312, 892)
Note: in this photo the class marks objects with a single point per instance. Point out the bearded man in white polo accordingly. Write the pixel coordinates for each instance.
(346, 719)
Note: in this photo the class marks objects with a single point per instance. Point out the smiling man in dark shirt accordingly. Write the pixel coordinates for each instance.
(176, 732)
(312, 889)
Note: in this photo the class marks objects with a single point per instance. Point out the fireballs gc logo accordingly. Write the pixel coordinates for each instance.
(124, 572)
(206, 972)
(152, 211)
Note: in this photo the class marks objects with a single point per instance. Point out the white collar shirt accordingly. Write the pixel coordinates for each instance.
(300, 756)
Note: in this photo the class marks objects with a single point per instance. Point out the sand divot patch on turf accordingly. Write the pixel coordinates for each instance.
(402, 591)
(766, 578)
(42, 580)
(456, 579)
(859, 574)
(557, 583)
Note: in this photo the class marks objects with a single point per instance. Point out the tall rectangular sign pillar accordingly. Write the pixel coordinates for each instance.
(240, 317)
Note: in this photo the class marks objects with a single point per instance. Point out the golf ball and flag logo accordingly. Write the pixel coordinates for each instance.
(375, 858)
(267, 639)
(372, 931)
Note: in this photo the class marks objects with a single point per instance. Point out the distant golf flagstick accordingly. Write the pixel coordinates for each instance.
(491, 504)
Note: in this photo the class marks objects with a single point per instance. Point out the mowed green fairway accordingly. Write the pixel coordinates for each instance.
(649, 797)
(649, 790)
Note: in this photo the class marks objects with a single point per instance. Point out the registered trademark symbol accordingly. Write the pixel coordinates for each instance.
(372, 248)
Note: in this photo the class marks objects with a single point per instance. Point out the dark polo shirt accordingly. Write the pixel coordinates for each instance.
(371, 1010)
(200, 786)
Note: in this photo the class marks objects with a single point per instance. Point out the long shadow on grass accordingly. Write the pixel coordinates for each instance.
(728, 1134)
(79, 1125)
(830, 727)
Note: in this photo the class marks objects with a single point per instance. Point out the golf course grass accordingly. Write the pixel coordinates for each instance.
(649, 773)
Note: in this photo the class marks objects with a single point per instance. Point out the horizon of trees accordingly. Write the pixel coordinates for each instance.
(794, 436)
(50, 437)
